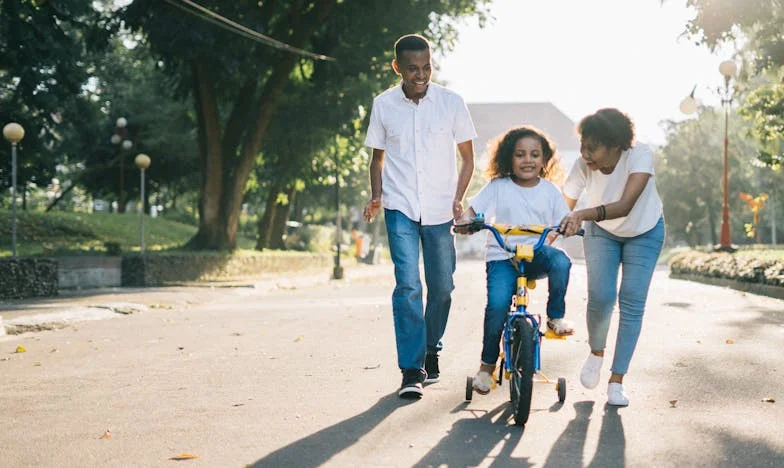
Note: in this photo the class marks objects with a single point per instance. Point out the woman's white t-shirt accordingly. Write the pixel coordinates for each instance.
(601, 189)
(504, 202)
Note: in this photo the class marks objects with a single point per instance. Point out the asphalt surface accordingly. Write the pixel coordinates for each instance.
(301, 372)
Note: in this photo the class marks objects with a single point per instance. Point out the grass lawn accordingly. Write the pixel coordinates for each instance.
(59, 233)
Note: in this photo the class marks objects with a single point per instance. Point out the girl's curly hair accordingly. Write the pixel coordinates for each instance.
(501, 152)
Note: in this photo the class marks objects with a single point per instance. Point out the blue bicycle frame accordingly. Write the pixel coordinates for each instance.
(521, 253)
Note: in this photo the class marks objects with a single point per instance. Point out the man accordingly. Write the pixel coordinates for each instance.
(413, 130)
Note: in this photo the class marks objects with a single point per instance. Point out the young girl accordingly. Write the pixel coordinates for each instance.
(518, 193)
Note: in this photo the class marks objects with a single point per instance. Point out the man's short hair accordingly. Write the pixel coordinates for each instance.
(410, 42)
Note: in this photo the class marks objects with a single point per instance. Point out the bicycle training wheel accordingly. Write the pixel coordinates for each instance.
(560, 387)
(522, 382)
(469, 388)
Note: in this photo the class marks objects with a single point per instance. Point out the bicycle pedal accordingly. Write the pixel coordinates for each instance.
(551, 335)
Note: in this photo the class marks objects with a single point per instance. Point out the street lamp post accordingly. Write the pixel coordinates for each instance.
(728, 69)
(337, 272)
(119, 139)
(14, 133)
(142, 162)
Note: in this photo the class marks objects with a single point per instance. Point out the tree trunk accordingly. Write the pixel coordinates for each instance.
(212, 233)
(278, 228)
(265, 223)
(223, 181)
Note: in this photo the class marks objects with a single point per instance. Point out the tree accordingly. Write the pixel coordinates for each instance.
(237, 84)
(761, 24)
(689, 170)
(44, 64)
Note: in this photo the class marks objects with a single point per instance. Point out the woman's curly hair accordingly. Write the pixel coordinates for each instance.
(609, 127)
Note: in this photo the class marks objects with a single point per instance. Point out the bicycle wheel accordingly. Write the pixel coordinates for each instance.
(522, 382)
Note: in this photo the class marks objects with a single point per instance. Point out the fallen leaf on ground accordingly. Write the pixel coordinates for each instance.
(37, 364)
(769, 400)
(184, 456)
(298, 339)
(730, 341)
(372, 367)
(238, 404)
(106, 435)
(21, 349)
(236, 334)
(673, 403)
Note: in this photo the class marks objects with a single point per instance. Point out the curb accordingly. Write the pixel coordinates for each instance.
(69, 314)
(57, 320)
(769, 290)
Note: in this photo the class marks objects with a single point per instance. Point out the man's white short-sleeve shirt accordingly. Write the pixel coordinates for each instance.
(419, 177)
(601, 189)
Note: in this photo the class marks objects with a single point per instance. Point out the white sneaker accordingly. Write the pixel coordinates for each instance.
(592, 370)
(615, 395)
(483, 382)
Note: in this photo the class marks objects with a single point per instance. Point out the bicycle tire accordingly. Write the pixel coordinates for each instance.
(522, 379)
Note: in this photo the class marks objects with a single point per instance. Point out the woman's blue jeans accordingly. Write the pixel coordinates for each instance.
(417, 332)
(636, 257)
(502, 275)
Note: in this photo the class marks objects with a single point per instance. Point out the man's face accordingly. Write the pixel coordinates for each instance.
(414, 68)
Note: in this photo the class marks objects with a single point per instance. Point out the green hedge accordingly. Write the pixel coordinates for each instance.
(28, 277)
(751, 266)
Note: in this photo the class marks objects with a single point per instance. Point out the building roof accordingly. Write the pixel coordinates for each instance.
(493, 119)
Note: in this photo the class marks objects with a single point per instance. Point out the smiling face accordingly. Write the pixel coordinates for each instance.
(414, 68)
(528, 161)
(599, 156)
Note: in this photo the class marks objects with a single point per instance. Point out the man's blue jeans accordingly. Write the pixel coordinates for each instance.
(548, 262)
(417, 332)
(636, 256)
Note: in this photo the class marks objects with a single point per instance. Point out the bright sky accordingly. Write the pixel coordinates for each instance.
(583, 55)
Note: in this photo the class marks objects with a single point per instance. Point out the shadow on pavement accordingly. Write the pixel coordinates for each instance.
(470, 441)
(316, 449)
(612, 441)
(567, 451)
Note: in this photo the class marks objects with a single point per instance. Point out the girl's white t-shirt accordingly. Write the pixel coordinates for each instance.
(601, 189)
(504, 202)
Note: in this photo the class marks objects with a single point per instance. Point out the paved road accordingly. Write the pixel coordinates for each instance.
(301, 376)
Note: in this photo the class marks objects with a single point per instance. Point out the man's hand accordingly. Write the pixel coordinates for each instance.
(457, 209)
(371, 209)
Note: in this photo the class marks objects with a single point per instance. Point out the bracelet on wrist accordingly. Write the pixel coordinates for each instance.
(601, 213)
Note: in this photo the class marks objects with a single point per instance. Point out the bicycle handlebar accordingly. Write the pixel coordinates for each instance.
(478, 223)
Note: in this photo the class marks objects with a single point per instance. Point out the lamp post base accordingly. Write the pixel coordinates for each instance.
(724, 248)
(337, 273)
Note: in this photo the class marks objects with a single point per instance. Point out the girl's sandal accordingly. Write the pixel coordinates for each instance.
(560, 326)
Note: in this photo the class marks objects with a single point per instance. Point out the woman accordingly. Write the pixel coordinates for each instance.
(624, 228)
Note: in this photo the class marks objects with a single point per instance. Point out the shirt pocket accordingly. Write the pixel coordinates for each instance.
(394, 138)
(439, 135)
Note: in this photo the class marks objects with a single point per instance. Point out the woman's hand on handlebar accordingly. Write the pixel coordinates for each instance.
(571, 224)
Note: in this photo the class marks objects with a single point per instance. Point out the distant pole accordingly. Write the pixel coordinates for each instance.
(728, 70)
(772, 219)
(142, 162)
(123, 144)
(14, 133)
(337, 272)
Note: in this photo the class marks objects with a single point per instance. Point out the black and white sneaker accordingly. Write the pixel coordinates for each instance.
(431, 368)
(412, 384)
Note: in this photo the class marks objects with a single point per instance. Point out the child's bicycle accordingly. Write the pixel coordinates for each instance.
(522, 336)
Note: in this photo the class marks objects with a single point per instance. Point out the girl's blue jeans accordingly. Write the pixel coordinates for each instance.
(418, 331)
(636, 257)
(502, 276)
